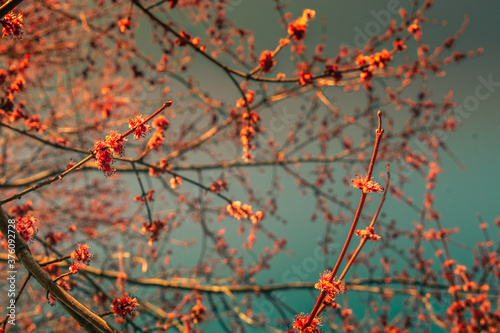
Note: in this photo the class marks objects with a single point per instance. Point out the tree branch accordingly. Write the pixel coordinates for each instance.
(86, 318)
(8, 6)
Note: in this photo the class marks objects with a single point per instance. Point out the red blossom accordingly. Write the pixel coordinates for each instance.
(250, 117)
(53, 238)
(257, 217)
(239, 211)
(82, 254)
(197, 312)
(124, 24)
(434, 170)
(298, 27)
(115, 142)
(369, 233)
(300, 322)
(332, 70)
(125, 307)
(52, 301)
(184, 40)
(17, 86)
(138, 198)
(12, 24)
(154, 229)
(34, 123)
(305, 78)
(267, 61)
(149, 196)
(141, 128)
(160, 122)
(362, 60)
(21, 210)
(218, 186)
(103, 157)
(381, 59)
(25, 226)
(399, 45)
(156, 140)
(73, 269)
(366, 75)
(16, 114)
(3, 75)
(247, 133)
(332, 289)
(157, 170)
(367, 186)
(175, 182)
(249, 97)
(415, 29)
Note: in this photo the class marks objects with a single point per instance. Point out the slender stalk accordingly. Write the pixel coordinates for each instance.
(8, 6)
(379, 132)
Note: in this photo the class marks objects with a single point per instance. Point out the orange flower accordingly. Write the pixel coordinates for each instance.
(12, 25)
(300, 322)
(175, 182)
(367, 186)
(382, 58)
(218, 186)
(249, 96)
(332, 289)
(154, 229)
(305, 78)
(251, 117)
(257, 217)
(414, 28)
(197, 312)
(369, 233)
(25, 226)
(103, 157)
(82, 254)
(156, 140)
(334, 72)
(266, 61)
(238, 211)
(73, 269)
(125, 306)
(142, 128)
(184, 40)
(298, 27)
(124, 24)
(399, 45)
(161, 122)
(114, 142)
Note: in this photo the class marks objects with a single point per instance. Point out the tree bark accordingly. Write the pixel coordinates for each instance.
(86, 318)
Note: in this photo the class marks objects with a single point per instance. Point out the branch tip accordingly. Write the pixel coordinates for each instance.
(379, 114)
